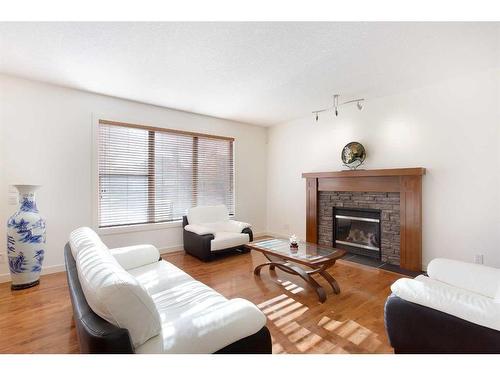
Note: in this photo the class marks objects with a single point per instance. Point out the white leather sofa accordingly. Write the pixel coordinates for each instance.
(163, 309)
(209, 230)
(455, 309)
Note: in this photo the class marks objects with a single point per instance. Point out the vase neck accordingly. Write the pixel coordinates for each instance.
(27, 202)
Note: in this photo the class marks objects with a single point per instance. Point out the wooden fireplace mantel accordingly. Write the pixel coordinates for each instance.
(406, 181)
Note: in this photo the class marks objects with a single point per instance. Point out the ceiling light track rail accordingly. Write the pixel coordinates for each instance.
(335, 107)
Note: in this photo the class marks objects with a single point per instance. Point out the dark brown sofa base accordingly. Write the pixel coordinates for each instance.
(416, 329)
(96, 335)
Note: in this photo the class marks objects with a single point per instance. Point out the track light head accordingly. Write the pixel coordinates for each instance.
(336, 104)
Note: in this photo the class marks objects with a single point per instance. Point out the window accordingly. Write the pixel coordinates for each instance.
(153, 175)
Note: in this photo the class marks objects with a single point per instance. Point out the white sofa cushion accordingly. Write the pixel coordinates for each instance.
(130, 257)
(194, 317)
(448, 299)
(226, 240)
(113, 293)
(469, 276)
(159, 276)
(81, 238)
(207, 214)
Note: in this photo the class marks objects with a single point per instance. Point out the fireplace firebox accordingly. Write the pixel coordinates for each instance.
(357, 230)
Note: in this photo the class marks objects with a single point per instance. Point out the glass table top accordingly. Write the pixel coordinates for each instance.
(307, 251)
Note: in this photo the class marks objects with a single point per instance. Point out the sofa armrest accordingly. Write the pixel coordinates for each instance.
(237, 226)
(448, 299)
(475, 278)
(135, 256)
(249, 232)
(199, 229)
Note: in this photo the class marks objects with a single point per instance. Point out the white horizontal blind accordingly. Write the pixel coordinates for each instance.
(150, 175)
(214, 177)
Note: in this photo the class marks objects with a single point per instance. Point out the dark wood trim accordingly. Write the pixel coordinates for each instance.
(406, 181)
(312, 210)
(411, 257)
(157, 129)
(368, 184)
(367, 173)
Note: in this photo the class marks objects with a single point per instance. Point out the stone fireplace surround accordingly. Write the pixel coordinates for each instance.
(388, 203)
(407, 182)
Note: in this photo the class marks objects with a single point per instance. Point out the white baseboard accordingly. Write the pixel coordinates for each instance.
(260, 234)
(171, 249)
(278, 235)
(5, 277)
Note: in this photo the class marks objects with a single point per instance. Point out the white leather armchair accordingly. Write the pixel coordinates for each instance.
(208, 229)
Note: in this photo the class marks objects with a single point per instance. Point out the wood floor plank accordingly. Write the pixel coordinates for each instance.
(39, 319)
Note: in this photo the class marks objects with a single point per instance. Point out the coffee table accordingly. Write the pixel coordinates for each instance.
(316, 257)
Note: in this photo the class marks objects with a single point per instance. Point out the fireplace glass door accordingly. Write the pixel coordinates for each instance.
(357, 231)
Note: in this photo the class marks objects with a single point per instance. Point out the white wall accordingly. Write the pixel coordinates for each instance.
(45, 138)
(451, 128)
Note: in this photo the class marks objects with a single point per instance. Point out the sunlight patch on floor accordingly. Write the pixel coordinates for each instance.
(291, 287)
(352, 331)
(327, 336)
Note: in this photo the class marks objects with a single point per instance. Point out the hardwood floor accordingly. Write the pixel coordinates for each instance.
(39, 320)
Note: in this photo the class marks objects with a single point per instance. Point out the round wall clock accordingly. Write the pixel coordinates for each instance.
(353, 155)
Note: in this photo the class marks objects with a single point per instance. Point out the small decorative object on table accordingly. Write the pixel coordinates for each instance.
(25, 240)
(353, 155)
(294, 245)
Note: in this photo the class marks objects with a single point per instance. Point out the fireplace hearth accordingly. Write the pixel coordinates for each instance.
(357, 230)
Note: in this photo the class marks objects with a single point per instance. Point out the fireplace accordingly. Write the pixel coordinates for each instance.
(357, 230)
(400, 203)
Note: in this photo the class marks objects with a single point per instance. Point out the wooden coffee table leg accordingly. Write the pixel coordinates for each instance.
(257, 269)
(295, 270)
(308, 279)
(333, 283)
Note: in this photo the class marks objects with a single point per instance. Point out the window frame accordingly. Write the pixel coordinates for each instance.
(126, 228)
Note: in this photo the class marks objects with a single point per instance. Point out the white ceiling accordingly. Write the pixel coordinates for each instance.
(260, 73)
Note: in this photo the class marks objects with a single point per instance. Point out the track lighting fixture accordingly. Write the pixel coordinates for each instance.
(336, 105)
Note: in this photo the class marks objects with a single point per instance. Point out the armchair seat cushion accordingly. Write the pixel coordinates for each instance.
(226, 240)
(230, 226)
(458, 302)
